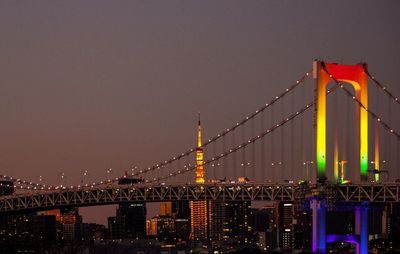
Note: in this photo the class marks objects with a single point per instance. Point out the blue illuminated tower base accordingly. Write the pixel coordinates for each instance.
(319, 237)
(361, 216)
(318, 208)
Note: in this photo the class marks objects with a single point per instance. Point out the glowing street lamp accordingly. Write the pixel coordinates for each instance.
(342, 163)
(108, 172)
(62, 178)
(84, 173)
(133, 169)
(307, 165)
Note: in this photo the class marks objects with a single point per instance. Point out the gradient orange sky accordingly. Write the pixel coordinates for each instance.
(111, 84)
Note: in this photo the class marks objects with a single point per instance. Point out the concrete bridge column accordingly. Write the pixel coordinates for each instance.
(361, 217)
(318, 225)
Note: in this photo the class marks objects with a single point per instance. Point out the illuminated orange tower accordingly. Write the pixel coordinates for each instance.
(199, 157)
(198, 209)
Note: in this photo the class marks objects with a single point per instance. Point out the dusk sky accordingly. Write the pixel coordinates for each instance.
(111, 84)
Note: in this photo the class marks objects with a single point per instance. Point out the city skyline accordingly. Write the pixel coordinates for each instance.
(77, 109)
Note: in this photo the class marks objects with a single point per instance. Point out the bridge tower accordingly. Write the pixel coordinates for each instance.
(356, 76)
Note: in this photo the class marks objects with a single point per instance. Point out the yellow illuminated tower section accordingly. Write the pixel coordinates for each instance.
(199, 157)
(198, 209)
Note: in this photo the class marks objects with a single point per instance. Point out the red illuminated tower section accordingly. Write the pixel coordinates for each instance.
(199, 157)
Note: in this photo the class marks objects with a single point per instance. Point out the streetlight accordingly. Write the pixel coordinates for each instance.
(133, 169)
(83, 174)
(62, 178)
(108, 171)
(342, 163)
(40, 178)
(307, 165)
(273, 167)
(377, 169)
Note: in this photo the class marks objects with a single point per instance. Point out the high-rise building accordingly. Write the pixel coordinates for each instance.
(133, 218)
(116, 227)
(166, 229)
(394, 223)
(286, 217)
(26, 233)
(181, 212)
(71, 223)
(92, 232)
(302, 229)
(198, 217)
(237, 226)
(232, 223)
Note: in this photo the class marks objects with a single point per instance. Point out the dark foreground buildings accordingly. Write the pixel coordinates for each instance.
(233, 226)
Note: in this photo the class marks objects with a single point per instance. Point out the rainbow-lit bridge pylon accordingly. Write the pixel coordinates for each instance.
(355, 76)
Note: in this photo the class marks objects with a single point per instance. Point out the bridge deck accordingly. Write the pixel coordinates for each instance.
(46, 200)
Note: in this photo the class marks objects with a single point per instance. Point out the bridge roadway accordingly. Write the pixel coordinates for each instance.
(105, 195)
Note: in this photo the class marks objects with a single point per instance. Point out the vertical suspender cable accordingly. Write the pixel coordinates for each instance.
(253, 152)
(180, 176)
(336, 137)
(292, 141)
(214, 164)
(187, 175)
(272, 147)
(282, 174)
(262, 150)
(376, 133)
(389, 163)
(224, 167)
(243, 151)
(235, 173)
(346, 148)
(302, 148)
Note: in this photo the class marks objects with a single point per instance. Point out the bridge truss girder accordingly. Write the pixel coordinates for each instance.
(43, 200)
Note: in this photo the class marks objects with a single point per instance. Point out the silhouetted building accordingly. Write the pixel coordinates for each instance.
(71, 223)
(26, 233)
(6, 188)
(302, 229)
(265, 224)
(129, 222)
(394, 223)
(166, 229)
(116, 227)
(92, 232)
(181, 213)
(134, 215)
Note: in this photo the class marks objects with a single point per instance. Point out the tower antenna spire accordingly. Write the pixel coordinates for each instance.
(199, 118)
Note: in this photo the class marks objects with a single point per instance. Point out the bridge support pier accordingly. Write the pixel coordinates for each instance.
(318, 208)
(319, 238)
(361, 217)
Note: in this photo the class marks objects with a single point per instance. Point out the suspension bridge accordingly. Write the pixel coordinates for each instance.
(328, 139)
